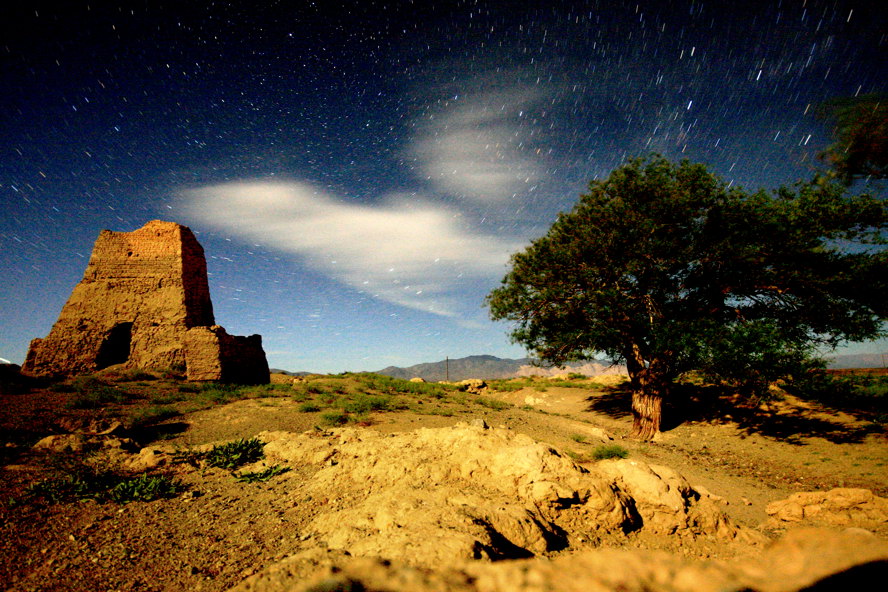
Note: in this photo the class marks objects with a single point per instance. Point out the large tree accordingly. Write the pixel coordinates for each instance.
(860, 129)
(666, 269)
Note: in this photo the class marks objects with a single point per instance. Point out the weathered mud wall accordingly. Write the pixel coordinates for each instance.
(141, 292)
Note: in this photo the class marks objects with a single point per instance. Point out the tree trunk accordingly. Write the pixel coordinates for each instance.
(647, 413)
(650, 382)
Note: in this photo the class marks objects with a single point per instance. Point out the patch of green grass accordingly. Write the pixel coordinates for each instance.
(494, 404)
(364, 403)
(235, 454)
(144, 488)
(133, 375)
(167, 398)
(92, 393)
(335, 418)
(510, 385)
(309, 408)
(576, 456)
(609, 451)
(86, 483)
(578, 384)
(846, 392)
(262, 476)
(580, 438)
(153, 414)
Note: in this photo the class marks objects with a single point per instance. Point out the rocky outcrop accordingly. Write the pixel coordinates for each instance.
(837, 507)
(804, 560)
(433, 496)
(141, 293)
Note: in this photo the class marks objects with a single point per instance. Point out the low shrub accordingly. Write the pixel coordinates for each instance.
(235, 454)
(92, 393)
(494, 404)
(149, 415)
(262, 476)
(863, 392)
(144, 488)
(609, 451)
(309, 407)
(335, 418)
(86, 483)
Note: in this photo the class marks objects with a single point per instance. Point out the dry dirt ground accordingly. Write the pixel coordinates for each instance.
(217, 531)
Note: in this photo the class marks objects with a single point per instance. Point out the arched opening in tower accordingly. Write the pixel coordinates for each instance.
(115, 348)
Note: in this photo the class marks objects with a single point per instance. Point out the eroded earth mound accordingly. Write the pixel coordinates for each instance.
(435, 495)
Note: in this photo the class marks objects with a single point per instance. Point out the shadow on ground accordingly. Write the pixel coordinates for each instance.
(713, 404)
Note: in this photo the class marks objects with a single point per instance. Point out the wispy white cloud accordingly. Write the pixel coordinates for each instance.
(405, 250)
(476, 147)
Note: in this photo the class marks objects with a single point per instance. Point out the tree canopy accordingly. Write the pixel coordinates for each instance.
(663, 267)
(860, 129)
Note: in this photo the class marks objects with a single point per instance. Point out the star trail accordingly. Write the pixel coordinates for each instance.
(359, 172)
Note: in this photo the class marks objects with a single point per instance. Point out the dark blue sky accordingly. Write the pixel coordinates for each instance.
(359, 172)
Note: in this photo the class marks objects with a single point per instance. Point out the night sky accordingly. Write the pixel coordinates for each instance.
(359, 172)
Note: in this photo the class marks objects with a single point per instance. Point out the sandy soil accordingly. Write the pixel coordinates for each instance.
(221, 531)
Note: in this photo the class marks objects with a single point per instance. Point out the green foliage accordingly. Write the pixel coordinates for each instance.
(667, 269)
(235, 454)
(92, 393)
(144, 488)
(861, 392)
(335, 418)
(494, 404)
(262, 476)
(508, 386)
(153, 414)
(309, 408)
(578, 438)
(165, 398)
(363, 403)
(83, 482)
(609, 451)
(133, 375)
(860, 128)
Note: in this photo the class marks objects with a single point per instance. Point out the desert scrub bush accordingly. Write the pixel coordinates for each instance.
(230, 455)
(854, 391)
(92, 393)
(494, 404)
(609, 451)
(144, 488)
(335, 418)
(309, 407)
(235, 454)
(262, 476)
(579, 438)
(364, 403)
(165, 398)
(87, 483)
(576, 456)
(133, 375)
(508, 386)
(153, 414)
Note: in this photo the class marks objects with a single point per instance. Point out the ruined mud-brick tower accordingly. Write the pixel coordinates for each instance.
(141, 296)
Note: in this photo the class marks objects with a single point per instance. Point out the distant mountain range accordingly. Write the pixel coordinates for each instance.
(857, 361)
(492, 367)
